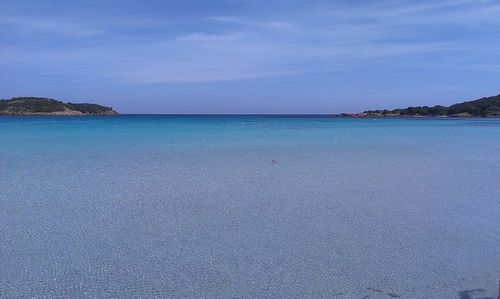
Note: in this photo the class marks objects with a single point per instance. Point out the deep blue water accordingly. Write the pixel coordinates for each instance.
(193, 206)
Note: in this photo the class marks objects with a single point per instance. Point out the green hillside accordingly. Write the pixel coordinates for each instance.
(484, 107)
(38, 105)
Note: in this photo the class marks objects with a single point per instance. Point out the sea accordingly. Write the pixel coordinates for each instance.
(249, 206)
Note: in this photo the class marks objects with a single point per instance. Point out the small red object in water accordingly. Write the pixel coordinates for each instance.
(275, 162)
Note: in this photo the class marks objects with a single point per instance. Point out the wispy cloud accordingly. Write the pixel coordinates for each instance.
(253, 23)
(48, 26)
(319, 38)
(199, 37)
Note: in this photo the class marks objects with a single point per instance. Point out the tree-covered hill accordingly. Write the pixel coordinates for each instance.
(41, 106)
(484, 107)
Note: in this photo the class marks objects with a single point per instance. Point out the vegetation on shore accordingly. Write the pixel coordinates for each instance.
(46, 106)
(484, 107)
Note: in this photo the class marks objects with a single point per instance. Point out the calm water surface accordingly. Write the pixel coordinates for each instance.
(193, 206)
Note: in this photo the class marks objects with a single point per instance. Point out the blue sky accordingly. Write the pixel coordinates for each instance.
(250, 56)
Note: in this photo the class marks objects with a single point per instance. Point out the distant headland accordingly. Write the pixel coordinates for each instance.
(46, 106)
(484, 107)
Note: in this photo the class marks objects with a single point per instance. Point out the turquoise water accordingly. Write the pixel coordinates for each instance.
(193, 206)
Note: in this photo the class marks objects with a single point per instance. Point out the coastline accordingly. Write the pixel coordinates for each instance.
(416, 116)
(58, 114)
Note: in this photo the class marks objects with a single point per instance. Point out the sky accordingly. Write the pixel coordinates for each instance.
(250, 56)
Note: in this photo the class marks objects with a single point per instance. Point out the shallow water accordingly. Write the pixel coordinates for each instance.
(193, 206)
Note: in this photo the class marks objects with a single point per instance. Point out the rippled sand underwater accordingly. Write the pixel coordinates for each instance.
(249, 206)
